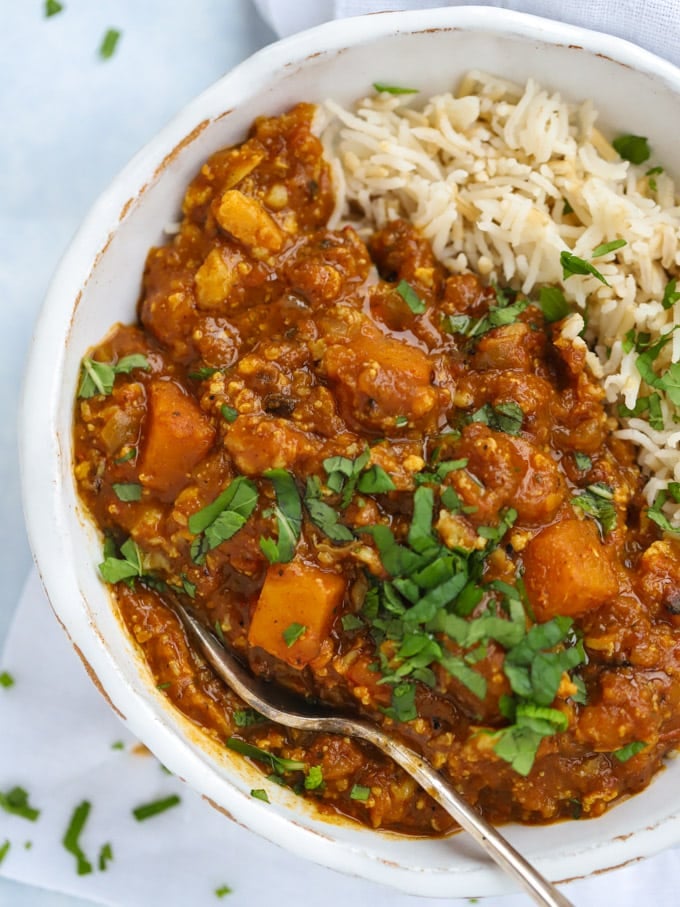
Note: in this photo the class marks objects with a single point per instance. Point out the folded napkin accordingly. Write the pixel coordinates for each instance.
(64, 746)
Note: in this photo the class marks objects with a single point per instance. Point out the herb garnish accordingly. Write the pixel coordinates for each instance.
(553, 304)
(127, 491)
(71, 839)
(506, 417)
(6, 680)
(393, 89)
(229, 413)
(506, 311)
(314, 778)
(655, 512)
(4, 850)
(109, 43)
(128, 567)
(293, 632)
(99, 377)
(583, 461)
(147, 810)
(598, 501)
(670, 294)
(629, 750)
(359, 792)
(572, 264)
(410, 297)
(259, 793)
(650, 174)
(201, 374)
(345, 476)
(278, 764)
(247, 717)
(288, 512)
(633, 148)
(15, 802)
(222, 891)
(222, 518)
(52, 7)
(105, 857)
(324, 517)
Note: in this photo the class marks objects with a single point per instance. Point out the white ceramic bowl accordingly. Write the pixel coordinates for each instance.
(98, 284)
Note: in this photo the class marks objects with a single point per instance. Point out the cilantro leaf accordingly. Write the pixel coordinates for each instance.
(129, 566)
(629, 750)
(99, 377)
(127, 491)
(393, 89)
(670, 294)
(633, 148)
(323, 515)
(278, 764)
(607, 247)
(71, 839)
(15, 802)
(148, 810)
(109, 43)
(293, 632)
(410, 297)
(507, 417)
(598, 501)
(288, 512)
(553, 304)
(572, 264)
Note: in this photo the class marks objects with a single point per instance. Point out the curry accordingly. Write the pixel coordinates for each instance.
(388, 488)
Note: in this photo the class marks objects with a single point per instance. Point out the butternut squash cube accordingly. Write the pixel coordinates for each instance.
(177, 435)
(295, 594)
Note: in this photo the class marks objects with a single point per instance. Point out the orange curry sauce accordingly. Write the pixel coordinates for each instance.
(514, 615)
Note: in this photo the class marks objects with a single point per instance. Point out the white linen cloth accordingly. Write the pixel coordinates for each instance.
(57, 733)
(653, 24)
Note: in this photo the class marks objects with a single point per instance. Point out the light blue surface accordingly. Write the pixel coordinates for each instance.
(70, 122)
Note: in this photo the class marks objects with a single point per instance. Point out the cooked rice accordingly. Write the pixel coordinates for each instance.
(484, 175)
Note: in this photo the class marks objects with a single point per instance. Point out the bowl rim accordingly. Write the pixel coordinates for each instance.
(42, 488)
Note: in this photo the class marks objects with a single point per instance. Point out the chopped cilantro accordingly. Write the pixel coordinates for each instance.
(259, 793)
(583, 461)
(4, 850)
(127, 491)
(359, 792)
(114, 569)
(598, 501)
(572, 264)
(288, 512)
(401, 421)
(629, 750)
(567, 209)
(393, 89)
(278, 764)
(351, 622)
(247, 717)
(506, 417)
(670, 294)
(130, 454)
(202, 374)
(655, 512)
(71, 839)
(608, 247)
(15, 802)
(52, 7)
(222, 891)
(374, 480)
(410, 297)
(99, 377)
(229, 413)
(314, 778)
(293, 632)
(148, 810)
(324, 516)
(118, 745)
(553, 304)
(651, 174)
(633, 148)
(109, 43)
(105, 857)
(6, 680)
(223, 517)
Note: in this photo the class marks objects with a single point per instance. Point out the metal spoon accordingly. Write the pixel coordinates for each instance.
(278, 705)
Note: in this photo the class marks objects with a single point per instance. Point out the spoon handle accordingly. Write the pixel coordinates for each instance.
(276, 705)
(494, 843)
